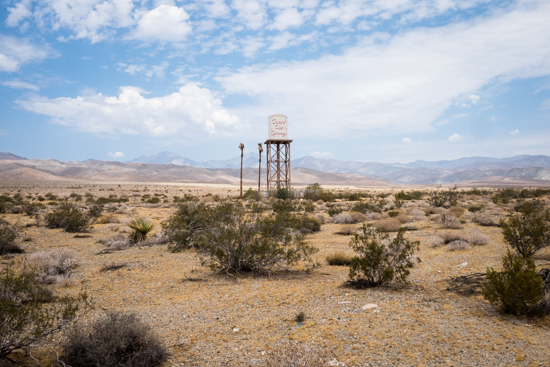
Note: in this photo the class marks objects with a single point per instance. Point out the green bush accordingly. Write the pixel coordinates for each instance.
(516, 290)
(251, 194)
(187, 226)
(25, 317)
(139, 229)
(115, 340)
(313, 192)
(282, 193)
(242, 242)
(8, 233)
(528, 231)
(380, 258)
(334, 210)
(68, 217)
(444, 199)
(282, 206)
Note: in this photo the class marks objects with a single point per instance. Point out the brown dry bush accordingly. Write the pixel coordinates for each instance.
(451, 236)
(339, 258)
(358, 217)
(343, 218)
(435, 241)
(299, 355)
(346, 230)
(457, 211)
(55, 265)
(448, 221)
(387, 225)
(458, 245)
(485, 219)
(118, 340)
(108, 218)
(417, 214)
(477, 238)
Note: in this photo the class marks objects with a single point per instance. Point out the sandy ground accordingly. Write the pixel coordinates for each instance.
(211, 320)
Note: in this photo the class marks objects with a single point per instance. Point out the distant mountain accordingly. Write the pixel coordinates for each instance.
(10, 157)
(249, 160)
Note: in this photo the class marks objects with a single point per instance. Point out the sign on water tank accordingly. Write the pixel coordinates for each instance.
(278, 127)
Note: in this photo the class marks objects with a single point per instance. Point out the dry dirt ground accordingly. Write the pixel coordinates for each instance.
(212, 320)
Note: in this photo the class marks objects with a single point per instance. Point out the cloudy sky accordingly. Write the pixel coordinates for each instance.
(365, 80)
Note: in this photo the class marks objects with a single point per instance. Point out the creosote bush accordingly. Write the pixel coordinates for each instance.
(528, 231)
(115, 340)
(8, 234)
(28, 316)
(518, 289)
(380, 258)
(68, 217)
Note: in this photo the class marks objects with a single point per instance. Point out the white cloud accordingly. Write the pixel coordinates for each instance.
(455, 138)
(190, 112)
(251, 13)
(15, 52)
(17, 14)
(513, 132)
(116, 154)
(402, 84)
(165, 23)
(287, 18)
(406, 140)
(320, 154)
(18, 84)
(474, 99)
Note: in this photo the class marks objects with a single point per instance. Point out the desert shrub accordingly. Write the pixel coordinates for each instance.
(95, 211)
(305, 223)
(457, 211)
(475, 208)
(346, 230)
(68, 217)
(435, 241)
(243, 242)
(516, 290)
(118, 242)
(52, 265)
(339, 258)
(444, 198)
(484, 219)
(139, 229)
(334, 210)
(387, 225)
(366, 207)
(299, 355)
(109, 218)
(32, 208)
(373, 216)
(8, 234)
(477, 238)
(451, 236)
(26, 319)
(327, 196)
(358, 217)
(115, 340)
(282, 193)
(449, 221)
(458, 245)
(528, 231)
(308, 206)
(380, 258)
(187, 226)
(282, 206)
(403, 218)
(343, 219)
(313, 192)
(251, 194)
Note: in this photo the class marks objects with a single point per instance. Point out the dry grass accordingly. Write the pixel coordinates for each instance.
(387, 225)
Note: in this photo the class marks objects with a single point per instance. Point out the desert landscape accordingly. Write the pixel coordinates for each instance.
(207, 318)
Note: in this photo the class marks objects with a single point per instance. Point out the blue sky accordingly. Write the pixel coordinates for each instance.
(365, 80)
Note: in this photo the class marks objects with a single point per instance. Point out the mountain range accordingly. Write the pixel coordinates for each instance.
(522, 170)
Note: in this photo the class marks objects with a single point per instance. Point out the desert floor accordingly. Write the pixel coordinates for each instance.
(207, 319)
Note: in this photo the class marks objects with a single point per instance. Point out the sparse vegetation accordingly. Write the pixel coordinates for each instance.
(116, 339)
(68, 217)
(8, 234)
(29, 313)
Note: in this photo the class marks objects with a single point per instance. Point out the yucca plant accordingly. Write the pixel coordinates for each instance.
(140, 228)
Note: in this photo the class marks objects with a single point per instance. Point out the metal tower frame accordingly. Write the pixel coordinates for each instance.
(278, 163)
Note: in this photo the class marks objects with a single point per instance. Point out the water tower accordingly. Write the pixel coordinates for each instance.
(278, 152)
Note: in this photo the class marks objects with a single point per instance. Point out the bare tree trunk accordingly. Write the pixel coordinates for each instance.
(241, 147)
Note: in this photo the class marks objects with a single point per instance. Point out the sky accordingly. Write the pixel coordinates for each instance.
(361, 80)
